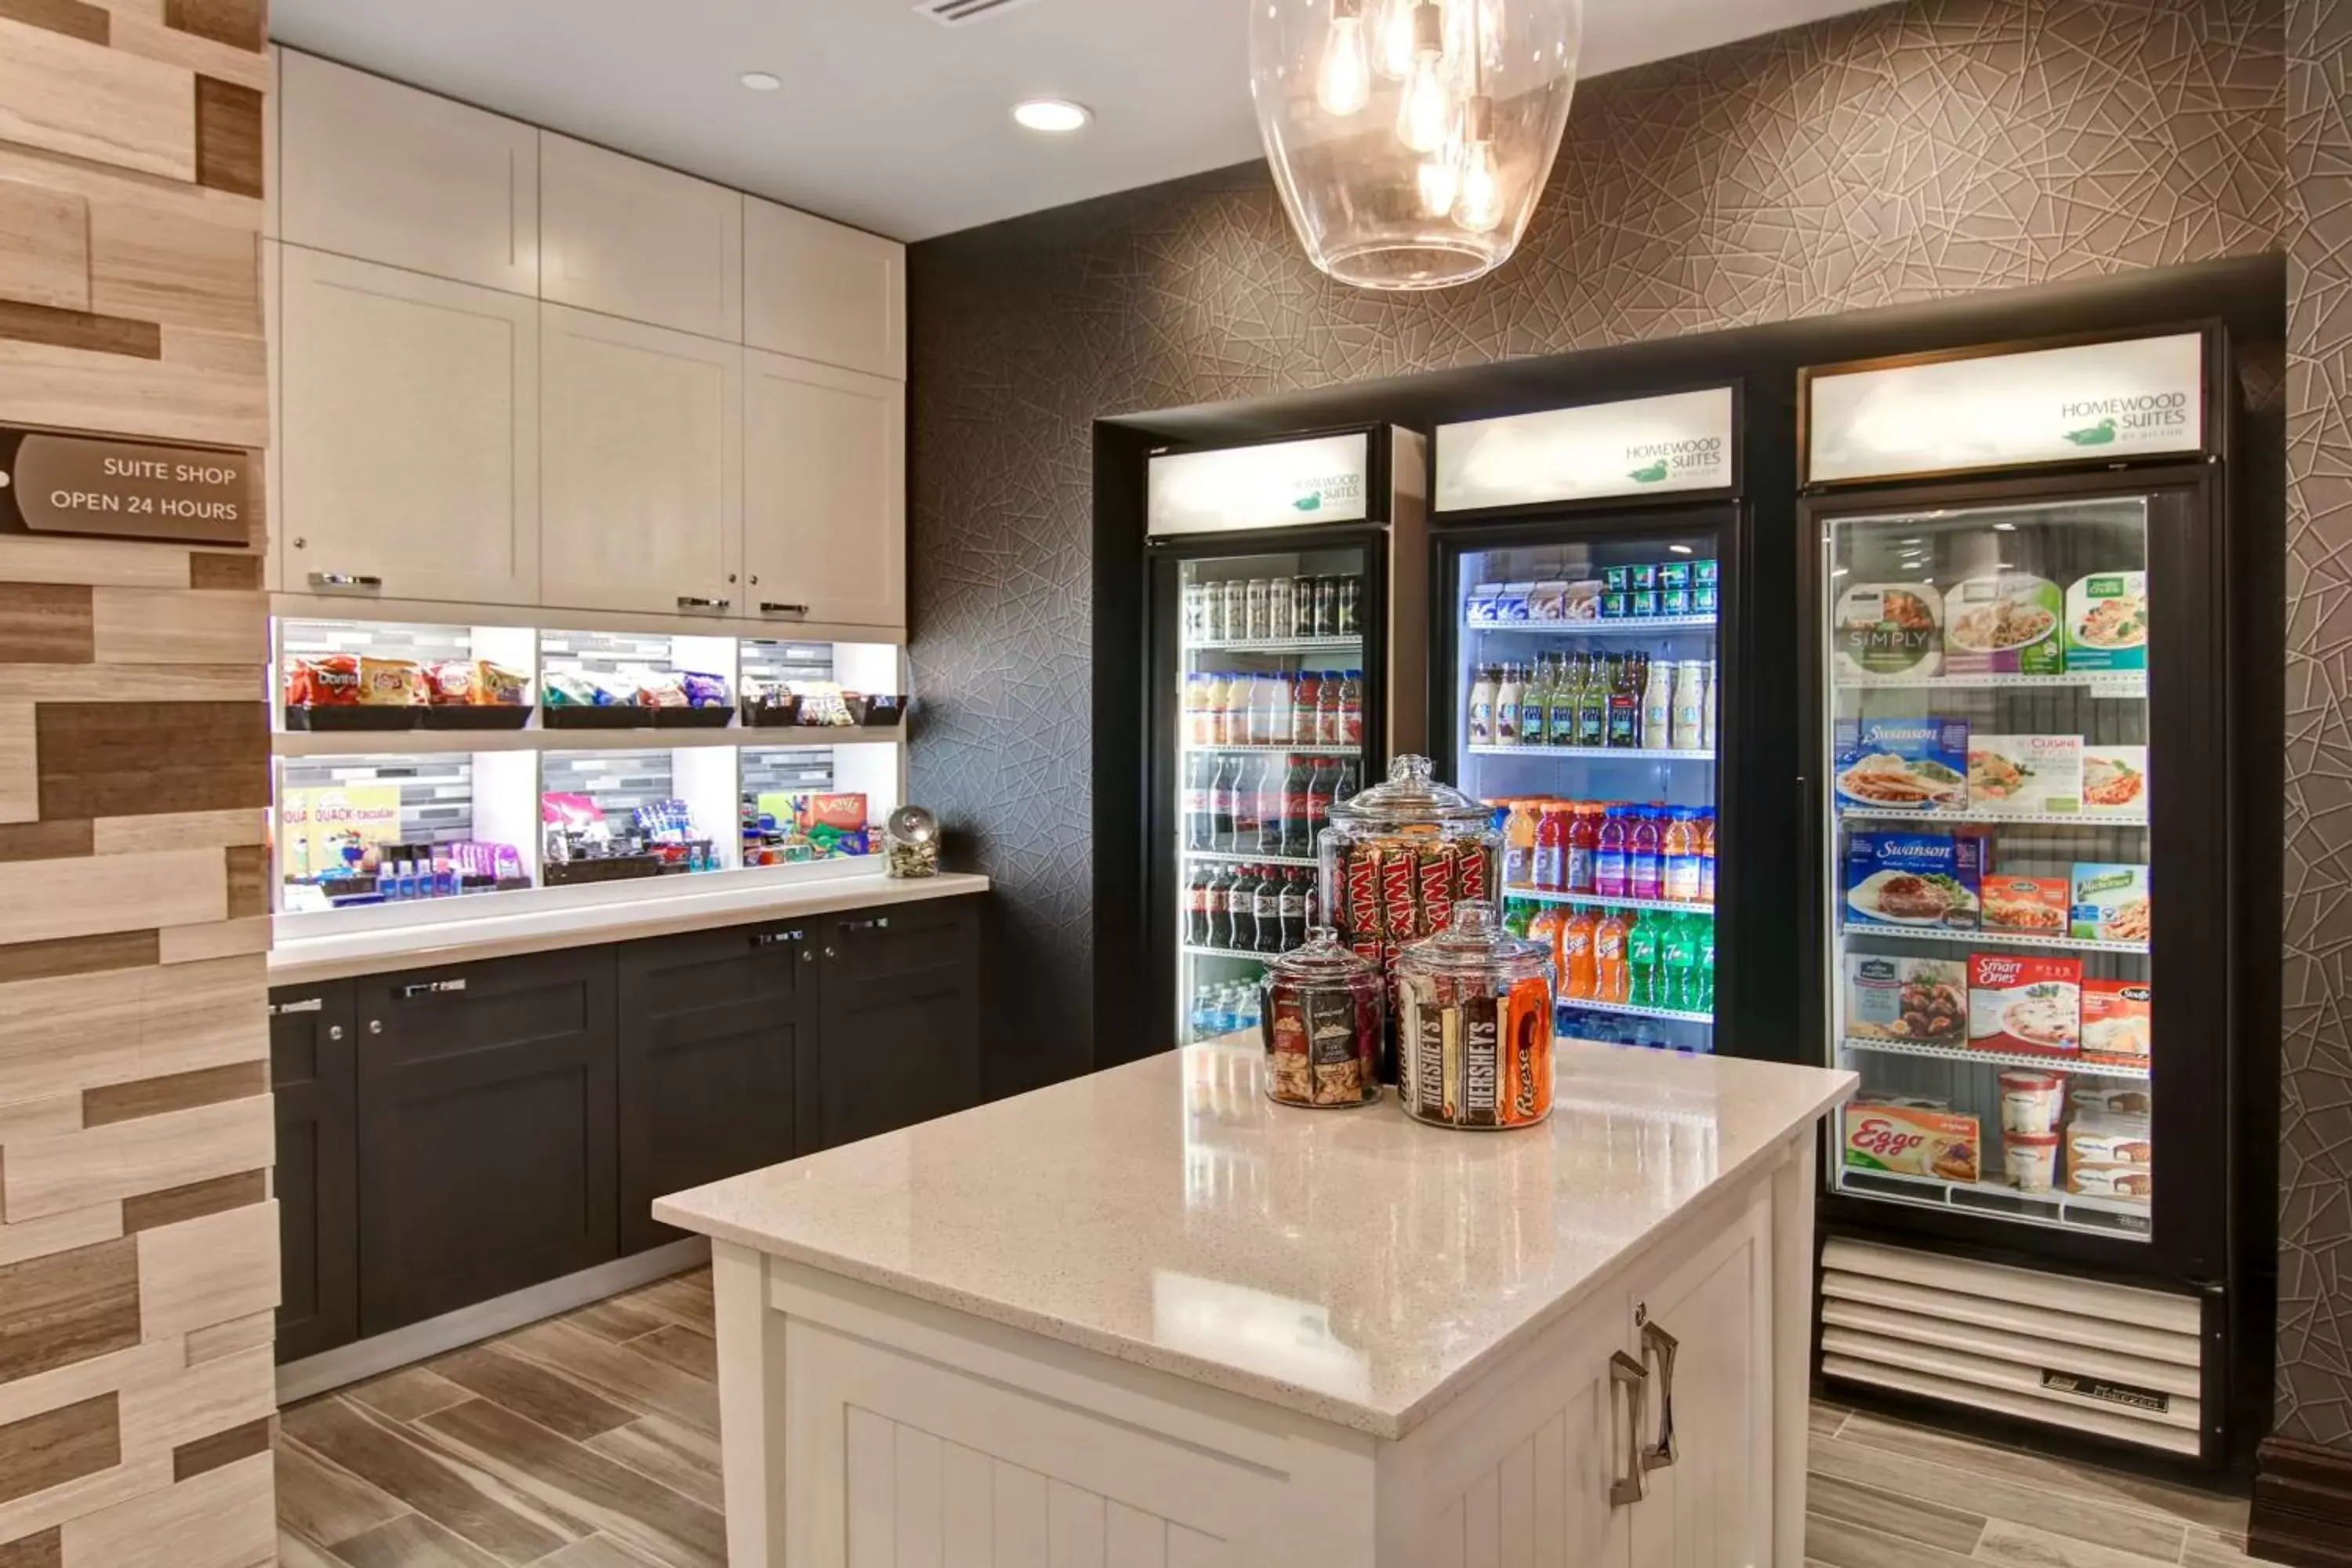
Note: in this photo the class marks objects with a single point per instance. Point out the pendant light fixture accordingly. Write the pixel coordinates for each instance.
(1411, 139)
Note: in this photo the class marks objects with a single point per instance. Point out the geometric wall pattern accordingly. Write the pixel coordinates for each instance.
(1907, 152)
(2314, 1375)
(137, 1237)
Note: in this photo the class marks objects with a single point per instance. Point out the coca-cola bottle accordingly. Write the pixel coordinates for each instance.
(1347, 781)
(1200, 820)
(1270, 807)
(1266, 906)
(1294, 910)
(1298, 821)
(1219, 930)
(1241, 911)
(1330, 711)
(1319, 785)
(1196, 906)
(1245, 788)
(1224, 781)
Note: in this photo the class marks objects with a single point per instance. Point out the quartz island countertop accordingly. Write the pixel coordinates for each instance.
(1353, 1266)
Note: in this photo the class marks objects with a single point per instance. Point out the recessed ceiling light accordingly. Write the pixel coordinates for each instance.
(762, 81)
(1057, 116)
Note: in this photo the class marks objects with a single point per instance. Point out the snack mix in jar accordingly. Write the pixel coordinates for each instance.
(1321, 1012)
(1474, 1025)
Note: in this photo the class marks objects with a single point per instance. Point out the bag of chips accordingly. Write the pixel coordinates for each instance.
(330, 681)
(705, 690)
(391, 683)
(496, 686)
(449, 683)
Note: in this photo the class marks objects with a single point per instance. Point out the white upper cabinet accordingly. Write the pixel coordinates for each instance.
(816, 290)
(642, 472)
(385, 173)
(410, 413)
(629, 239)
(825, 508)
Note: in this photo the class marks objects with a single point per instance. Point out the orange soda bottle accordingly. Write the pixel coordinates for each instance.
(1578, 937)
(1612, 976)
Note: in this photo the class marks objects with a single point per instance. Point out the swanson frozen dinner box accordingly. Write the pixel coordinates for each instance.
(1903, 764)
(1913, 880)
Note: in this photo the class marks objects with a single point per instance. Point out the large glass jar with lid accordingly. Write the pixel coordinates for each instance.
(1323, 1015)
(1473, 1009)
(1397, 860)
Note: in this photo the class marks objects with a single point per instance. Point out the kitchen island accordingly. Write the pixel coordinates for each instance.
(1147, 1317)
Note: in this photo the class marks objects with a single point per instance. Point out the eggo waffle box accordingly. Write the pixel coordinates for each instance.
(1911, 1140)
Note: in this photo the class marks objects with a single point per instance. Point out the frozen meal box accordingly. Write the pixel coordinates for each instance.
(2116, 1016)
(1903, 764)
(2131, 1182)
(2004, 624)
(1548, 602)
(2114, 780)
(1890, 628)
(2113, 1099)
(1904, 1140)
(2025, 773)
(1483, 605)
(2110, 1141)
(2019, 1003)
(2036, 904)
(1913, 880)
(2110, 903)
(2106, 621)
(1905, 998)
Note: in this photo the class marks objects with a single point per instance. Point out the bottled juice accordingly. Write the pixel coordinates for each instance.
(1707, 856)
(1610, 980)
(1551, 850)
(1534, 701)
(1197, 725)
(1658, 705)
(1681, 849)
(1559, 715)
(1645, 856)
(1576, 944)
(1506, 706)
(1610, 879)
(1519, 844)
(1544, 926)
(1592, 700)
(1481, 705)
(1641, 960)
(1583, 843)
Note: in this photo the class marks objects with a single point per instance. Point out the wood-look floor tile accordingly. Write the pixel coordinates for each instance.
(462, 1498)
(294, 1551)
(619, 1372)
(598, 1551)
(405, 1395)
(1996, 1496)
(685, 1298)
(326, 1502)
(680, 1459)
(2219, 1511)
(2208, 1548)
(618, 1500)
(1835, 1543)
(690, 1351)
(1951, 1528)
(2024, 1546)
(412, 1541)
(618, 1320)
(1822, 1419)
(530, 1390)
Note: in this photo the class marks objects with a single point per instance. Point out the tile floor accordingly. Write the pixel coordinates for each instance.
(591, 1441)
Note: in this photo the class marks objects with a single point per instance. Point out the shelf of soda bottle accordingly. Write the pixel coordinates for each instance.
(1273, 609)
(1250, 911)
(1642, 856)
(1632, 701)
(1267, 804)
(1321, 707)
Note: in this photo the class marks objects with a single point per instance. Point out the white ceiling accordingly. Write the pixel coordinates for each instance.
(886, 119)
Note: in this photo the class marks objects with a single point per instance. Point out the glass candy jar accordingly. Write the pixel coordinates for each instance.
(1474, 1016)
(1321, 1013)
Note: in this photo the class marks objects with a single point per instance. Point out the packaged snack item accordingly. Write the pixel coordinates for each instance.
(1583, 601)
(449, 683)
(661, 689)
(2114, 780)
(2025, 773)
(1548, 602)
(1904, 1140)
(1674, 574)
(329, 680)
(2031, 1101)
(2132, 1182)
(496, 686)
(1906, 998)
(2110, 903)
(1513, 604)
(1903, 764)
(2031, 1159)
(2130, 1101)
(834, 824)
(561, 688)
(2106, 621)
(1913, 880)
(2116, 1015)
(1890, 628)
(1483, 608)
(390, 683)
(705, 690)
(2025, 1003)
(613, 690)
(2036, 904)
(2110, 1141)
(2004, 624)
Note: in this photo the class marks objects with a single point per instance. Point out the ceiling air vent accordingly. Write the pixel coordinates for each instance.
(964, 13)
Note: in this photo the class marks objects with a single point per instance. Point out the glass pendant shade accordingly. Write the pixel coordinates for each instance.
(1411, 139)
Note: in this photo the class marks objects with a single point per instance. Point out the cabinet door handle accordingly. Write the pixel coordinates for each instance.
(346, 582)
(430, 988)
(774, 938)
(715, 606)
(1658, 1347)
(1630, 1374)
(307, 1005)
(334, 1031)
(879, 922)
(791, 612)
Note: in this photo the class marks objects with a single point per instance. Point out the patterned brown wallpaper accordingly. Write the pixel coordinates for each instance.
(2314, 1350)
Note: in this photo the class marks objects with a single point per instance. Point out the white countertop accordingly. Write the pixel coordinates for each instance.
(1353, 1265)
(482, 933)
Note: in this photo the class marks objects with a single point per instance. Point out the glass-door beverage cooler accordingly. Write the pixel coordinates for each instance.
(2018, 739)
(1273, 595)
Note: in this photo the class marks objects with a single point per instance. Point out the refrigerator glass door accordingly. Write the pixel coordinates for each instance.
(1988, 848)
(1271, 709)
(1586, 716)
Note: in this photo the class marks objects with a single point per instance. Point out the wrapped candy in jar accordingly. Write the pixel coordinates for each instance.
(1474, 1025)
(1321, 1014)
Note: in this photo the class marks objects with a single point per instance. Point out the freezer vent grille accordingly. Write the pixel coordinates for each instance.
(964, 13)
(2077, 1354)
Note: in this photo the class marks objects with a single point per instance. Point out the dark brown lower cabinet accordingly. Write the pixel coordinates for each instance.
(711, 1025)
(486, 1131)
(898, 1021)
(314, 1074)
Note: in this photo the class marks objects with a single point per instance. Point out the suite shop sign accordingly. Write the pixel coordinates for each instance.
(1275, 484)
(1681, 441)
(88, 485)
(1982, 409)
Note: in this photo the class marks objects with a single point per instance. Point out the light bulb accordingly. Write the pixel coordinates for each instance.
(1392, 48)
(1478, 206)
(1424, 114)
(1438, 175)
(1345, 85)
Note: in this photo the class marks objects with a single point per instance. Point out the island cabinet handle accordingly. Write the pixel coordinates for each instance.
(774, 938)
(1659, 1346)
(1631, 1487)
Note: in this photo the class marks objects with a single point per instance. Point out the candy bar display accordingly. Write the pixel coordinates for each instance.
(581, 844)
(637, 698)
(782, 829)
(823, 704)
(1475, 1024)
(1322, 1016)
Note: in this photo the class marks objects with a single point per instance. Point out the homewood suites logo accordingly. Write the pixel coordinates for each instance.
(2121, 421)
(1333, 489)
(1658, 459)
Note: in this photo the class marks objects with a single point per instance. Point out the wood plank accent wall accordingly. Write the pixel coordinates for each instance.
(138, 1235)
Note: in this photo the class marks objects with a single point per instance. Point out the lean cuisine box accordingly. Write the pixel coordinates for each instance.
(2027, 775)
